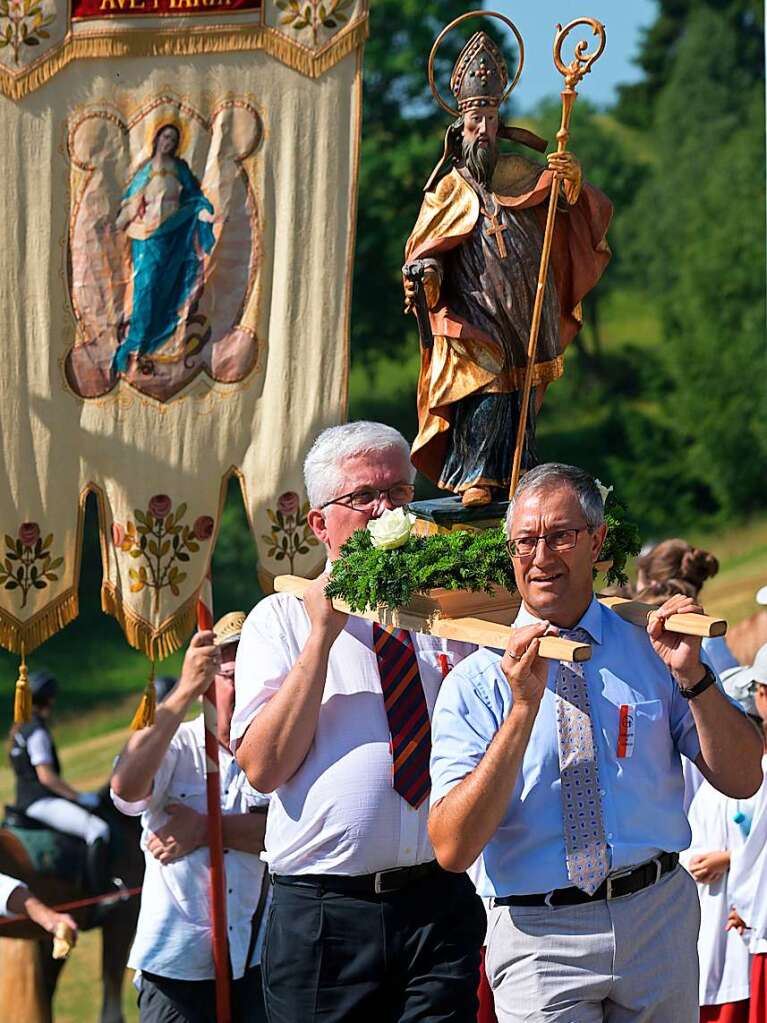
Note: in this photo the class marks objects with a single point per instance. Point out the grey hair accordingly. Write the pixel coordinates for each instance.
(555, 474)
(323, 475)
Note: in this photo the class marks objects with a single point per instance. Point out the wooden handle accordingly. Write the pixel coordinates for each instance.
(465, 630)
(637, 612)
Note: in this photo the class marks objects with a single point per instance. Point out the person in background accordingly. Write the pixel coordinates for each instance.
(17, 900)
(160, 774)
(720, 826)
(676, 567)
(747, 888)
(333, 716)
(42, 793)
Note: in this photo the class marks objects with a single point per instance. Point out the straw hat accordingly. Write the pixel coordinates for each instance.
(229, 628)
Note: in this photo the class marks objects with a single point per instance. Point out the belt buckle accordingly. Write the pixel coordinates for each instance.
(616, 877)
(379, 885)
(548, 897)
(658, 869)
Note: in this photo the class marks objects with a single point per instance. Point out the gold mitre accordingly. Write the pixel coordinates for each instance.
(480, 75)
(229, 628)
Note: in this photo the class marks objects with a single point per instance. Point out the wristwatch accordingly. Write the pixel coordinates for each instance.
(709, 679)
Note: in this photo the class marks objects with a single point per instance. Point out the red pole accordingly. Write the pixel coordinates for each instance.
(215, 827)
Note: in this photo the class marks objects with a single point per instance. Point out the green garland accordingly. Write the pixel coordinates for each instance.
(366, 576)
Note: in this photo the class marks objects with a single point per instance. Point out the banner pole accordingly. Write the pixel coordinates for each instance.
(215, 825)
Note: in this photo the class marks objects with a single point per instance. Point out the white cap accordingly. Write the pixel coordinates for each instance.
(761, 595)
(740, 683)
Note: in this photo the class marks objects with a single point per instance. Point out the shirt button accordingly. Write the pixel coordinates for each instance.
(610, 835)
(603, 792)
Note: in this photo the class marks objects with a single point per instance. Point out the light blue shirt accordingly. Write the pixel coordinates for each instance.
(642, 792)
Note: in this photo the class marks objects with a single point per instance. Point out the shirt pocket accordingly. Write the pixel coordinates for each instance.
(188, 792)
(638, 731)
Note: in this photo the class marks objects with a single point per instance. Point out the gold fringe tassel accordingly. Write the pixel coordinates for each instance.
(24, 637)
(144, 716)
(156, 643)
(164, 42)
(22, 700)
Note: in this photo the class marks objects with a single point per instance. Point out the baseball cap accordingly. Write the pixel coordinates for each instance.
(740, 683)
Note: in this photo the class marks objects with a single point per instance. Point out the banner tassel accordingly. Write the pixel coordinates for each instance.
(22, 701)
(144, 716)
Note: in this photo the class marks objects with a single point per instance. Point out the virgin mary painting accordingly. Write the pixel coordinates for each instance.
(169, 222)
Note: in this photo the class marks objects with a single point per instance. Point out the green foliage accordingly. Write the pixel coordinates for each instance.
(366, 576)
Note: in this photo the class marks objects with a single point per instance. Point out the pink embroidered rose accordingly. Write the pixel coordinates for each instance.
(288, 502)
(29, 533)
(203, 527)
(160, 505)
(118, 534)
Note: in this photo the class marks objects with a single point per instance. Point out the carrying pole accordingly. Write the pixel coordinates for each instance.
(573, 73)
(215, 826)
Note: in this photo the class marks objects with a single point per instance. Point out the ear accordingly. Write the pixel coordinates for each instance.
(597, 541)
(316, 522)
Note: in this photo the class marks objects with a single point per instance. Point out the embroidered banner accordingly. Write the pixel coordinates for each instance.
(98, 9)
(174, 297)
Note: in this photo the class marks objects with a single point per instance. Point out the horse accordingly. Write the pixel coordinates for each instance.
(28, 973)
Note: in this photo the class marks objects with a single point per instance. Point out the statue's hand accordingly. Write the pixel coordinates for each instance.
(431, 284)
(565, 166)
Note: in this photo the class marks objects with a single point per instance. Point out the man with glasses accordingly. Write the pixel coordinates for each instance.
(333, 716)
(566, 780)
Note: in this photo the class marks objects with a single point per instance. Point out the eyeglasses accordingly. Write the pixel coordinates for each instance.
(369, 497)
(561, 540)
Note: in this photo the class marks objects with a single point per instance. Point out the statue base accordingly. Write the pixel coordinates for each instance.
(444, 514)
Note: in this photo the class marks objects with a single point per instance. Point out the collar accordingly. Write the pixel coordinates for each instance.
(591, 620)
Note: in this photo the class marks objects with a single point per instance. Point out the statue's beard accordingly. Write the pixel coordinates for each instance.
(480, 160)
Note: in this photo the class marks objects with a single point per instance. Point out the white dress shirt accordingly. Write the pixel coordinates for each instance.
(748, 874)
(173, 932)
(8, 886)
(338, 814)
(725, 963)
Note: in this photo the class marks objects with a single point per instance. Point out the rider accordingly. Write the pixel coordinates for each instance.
(41, 792)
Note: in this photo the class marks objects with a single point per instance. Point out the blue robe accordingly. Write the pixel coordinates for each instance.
(165, 266)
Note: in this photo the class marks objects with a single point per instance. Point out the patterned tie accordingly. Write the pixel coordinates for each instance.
(585, 845)
(407, 712)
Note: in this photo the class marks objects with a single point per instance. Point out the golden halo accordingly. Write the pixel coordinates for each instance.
(438, 42)
(161, 120)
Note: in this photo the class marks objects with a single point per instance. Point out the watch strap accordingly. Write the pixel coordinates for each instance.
(709, 679)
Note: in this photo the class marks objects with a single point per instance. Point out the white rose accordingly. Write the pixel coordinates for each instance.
(603, 490)
(392, 529)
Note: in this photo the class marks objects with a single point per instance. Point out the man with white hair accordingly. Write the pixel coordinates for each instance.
(566, 779)
(364, 923)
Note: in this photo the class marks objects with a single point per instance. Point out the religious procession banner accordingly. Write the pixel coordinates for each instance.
(175, 264)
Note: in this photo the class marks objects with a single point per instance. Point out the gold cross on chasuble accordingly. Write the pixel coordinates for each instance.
(496, 230)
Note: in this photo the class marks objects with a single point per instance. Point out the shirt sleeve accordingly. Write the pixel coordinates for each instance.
(8, 886)
(40, 748)
(264, 659)
(683, 730)
(466, 717)
(160, 783)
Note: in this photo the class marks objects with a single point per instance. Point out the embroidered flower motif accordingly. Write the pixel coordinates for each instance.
(27, 25)
(161, 541)
(291, 535)
(314, 14)
(27, 563)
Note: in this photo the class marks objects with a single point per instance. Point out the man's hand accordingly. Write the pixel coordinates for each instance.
(565, 166)
(201, 663)
(735, 923)
(324, 618)
(525, 671)
(707, 868)
(184, 832)
(680, 653)
(431, 284)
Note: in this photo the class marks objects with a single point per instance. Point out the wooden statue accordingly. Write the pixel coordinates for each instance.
(471, 276)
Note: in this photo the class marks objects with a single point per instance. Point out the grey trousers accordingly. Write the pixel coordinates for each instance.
(629, 960)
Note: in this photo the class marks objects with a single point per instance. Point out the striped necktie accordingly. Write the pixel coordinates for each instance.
(585, 844)
(407, 713)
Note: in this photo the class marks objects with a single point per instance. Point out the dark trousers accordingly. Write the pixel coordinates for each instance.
(165, 1000)
(409, 956)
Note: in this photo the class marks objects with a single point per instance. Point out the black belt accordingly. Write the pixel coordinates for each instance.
(623, 882)
(381, 883)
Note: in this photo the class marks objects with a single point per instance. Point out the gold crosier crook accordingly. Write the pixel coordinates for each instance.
(573, 73)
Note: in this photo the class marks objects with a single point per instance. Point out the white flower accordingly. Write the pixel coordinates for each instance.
(392, 529)
(603, 490)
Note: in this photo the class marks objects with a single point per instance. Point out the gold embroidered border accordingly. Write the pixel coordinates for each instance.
(154, 42)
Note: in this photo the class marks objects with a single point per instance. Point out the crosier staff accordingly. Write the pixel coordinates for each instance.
(573, 73)
(215, 825)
